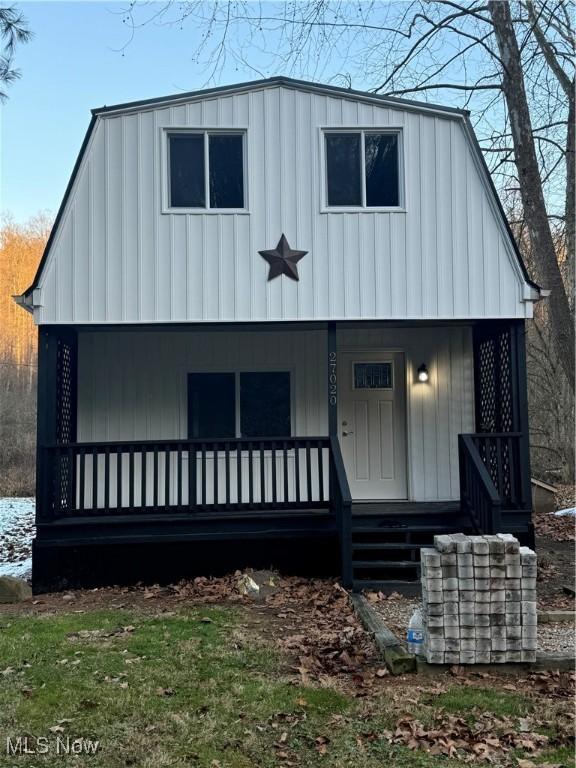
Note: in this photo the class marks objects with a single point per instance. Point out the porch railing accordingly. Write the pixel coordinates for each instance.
(341, 500)
(479, 496)
(502, 455)
(187, 476)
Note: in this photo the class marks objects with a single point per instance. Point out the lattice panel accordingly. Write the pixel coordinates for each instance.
(486, 362)
(494, 376)
(505, 384)
(65, 389)
(65, 420)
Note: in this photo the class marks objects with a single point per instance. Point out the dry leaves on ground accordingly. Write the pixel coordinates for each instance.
(556, 528)
(483, 738)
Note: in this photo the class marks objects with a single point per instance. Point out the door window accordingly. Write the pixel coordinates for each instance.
(373, 375)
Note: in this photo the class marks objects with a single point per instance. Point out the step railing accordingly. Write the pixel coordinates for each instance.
(96, 478)
(479, 496)
(341, 503)
(503, 455)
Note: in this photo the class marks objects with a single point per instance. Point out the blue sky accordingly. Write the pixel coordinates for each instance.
(72, 65)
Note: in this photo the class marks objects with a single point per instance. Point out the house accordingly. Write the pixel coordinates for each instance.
(277, 320)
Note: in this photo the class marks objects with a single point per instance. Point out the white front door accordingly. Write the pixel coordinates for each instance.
(372, 422)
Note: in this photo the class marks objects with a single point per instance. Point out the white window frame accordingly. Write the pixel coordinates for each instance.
(168, 131)
(363, 208)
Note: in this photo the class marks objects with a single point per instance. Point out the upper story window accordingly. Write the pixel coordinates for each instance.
(205, 170)
(362, 169)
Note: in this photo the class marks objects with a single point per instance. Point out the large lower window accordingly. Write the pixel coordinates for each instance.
(246, 404)
(205, 170)
(362, 169)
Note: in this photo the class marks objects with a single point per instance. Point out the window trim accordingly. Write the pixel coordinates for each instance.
(397, 131)
(166, 132)
(236, 372)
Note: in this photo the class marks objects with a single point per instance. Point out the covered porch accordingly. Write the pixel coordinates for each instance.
(324, 431)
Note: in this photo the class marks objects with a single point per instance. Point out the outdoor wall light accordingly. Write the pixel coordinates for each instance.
(422, 373)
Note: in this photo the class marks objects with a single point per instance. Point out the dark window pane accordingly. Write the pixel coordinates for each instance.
(265, 404)
(343, 168)
(187, 171)
(381, 153)
(211, 405)
(372, 375)
(226, 172)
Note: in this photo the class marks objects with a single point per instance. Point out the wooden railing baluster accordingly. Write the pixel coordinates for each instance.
(227, 472)
(251, 473)
(320, 454)
(167, 454)
(155, 477)
(274, 479)
(203, 473)
(285, 472)
(118, 478)
(82, 489)
(215, 470)
(179, 477)
(239, 472)
(262, 476)
(94, 478)
(143, 478)
(131, 477)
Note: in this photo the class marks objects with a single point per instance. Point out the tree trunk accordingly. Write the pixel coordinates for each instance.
(535, 215)
(570, 212)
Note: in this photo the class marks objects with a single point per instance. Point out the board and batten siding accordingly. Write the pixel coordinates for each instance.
(117, 258)
(146, 398)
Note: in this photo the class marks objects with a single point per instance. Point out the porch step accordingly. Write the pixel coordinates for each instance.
(394, 535)
(401, 527)
(384, 545)
(385, 564)
(408, 588)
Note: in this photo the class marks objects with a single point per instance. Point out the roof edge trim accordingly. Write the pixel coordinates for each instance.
(280, 80)
(62, 207)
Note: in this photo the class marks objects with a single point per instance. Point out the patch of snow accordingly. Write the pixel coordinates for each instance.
(570, 512)
(16, 534)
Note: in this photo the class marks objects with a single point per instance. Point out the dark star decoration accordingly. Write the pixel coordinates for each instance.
(283, 260)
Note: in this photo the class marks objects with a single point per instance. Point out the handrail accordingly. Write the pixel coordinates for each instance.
(185, 441)
(341, 502)
(478, 495)
(503, 455)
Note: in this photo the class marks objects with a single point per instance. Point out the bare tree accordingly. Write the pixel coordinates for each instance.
(13, 30)
(511, 63)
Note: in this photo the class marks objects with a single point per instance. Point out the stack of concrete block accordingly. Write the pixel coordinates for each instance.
(479, 600)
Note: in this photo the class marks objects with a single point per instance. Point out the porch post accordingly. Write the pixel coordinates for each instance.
(518, 353)
(332, 381)
(56, 419)
(46, 421)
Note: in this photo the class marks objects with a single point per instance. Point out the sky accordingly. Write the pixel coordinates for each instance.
(73, 64)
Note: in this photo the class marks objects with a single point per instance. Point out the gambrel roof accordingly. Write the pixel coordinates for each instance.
(531, 291)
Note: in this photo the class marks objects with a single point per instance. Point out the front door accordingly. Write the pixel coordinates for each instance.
(372, 416)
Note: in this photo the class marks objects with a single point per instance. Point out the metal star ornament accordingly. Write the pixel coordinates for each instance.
(283, 260)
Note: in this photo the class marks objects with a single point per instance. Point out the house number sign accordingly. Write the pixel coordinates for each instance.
(332, 378)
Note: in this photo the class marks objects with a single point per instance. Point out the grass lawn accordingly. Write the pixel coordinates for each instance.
(199, 687)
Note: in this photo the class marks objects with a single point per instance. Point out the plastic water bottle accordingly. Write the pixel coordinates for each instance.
(416, 636)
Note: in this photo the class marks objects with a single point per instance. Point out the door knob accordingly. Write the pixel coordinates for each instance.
(345, 434)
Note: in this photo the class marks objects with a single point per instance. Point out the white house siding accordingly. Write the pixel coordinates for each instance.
(117, 258)
(132, 386)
